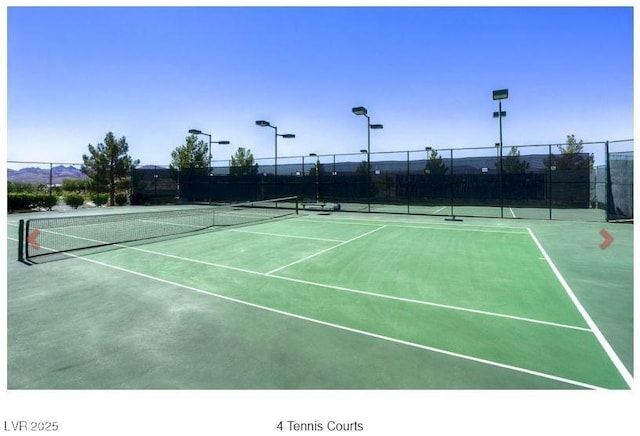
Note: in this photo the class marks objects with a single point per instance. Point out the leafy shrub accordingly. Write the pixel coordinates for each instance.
(19, 201)
(74, 200)
(121, 199)
(99, 199)
(30, 200)
(45, 201)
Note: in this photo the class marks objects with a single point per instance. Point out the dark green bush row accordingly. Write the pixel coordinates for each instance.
(31, 200)
(28, 200)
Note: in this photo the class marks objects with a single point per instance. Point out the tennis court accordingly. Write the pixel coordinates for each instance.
(328, 300)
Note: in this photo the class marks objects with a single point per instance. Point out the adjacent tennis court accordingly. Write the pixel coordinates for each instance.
(324, 300)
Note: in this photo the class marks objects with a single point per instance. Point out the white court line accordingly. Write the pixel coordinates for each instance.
(339, 288)
(325, 250)
(286, 236)
(356, 291)
(436, 211)
(512, 214)
(592, 325)
(345, 328)
(429, 303)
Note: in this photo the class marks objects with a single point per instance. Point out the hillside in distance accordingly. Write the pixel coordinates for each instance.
(35, 175)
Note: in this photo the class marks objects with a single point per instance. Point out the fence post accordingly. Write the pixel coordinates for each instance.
(549, 166)
(407, 186)
(21, 241)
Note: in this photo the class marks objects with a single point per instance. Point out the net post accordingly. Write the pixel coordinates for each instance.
(21, 241)
(26, 244)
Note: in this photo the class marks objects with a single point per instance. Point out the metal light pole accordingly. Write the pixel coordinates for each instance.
(209, 169)
(200, 132)
(500, 94)
(360, 110)
(263, 123)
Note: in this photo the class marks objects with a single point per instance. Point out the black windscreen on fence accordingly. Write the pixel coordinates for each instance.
(620, 205)
(528, 182)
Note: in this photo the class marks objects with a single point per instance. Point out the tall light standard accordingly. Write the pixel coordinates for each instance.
(360, 110)
(263, 123)
(200, 132)
(500, 94)
(209, 170)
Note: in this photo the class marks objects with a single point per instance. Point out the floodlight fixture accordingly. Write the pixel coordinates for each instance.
(200, 132)
(263, 123)
(500, 94)
(360, 110)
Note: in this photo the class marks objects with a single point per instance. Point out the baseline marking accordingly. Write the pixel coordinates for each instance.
(592, 325)
(345, 328)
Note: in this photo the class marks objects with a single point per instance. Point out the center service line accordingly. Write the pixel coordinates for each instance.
(325, 250)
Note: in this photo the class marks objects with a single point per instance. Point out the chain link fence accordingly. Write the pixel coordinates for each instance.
(544, 181)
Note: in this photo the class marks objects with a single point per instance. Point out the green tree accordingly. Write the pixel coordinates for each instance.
(434, 165)
(21, 187)
(76, 185)
(191, 154)
(572, 156)
(243, 164)
(512, 164)
(109, 165)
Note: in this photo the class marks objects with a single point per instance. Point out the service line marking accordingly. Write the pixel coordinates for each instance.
(340, 288)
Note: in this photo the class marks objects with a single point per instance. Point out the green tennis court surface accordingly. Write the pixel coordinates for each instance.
(331, 301)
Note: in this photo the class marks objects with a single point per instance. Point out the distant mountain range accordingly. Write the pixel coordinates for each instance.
(461, 165)
(41, 175)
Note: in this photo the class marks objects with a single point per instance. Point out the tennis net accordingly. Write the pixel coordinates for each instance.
(43, 236)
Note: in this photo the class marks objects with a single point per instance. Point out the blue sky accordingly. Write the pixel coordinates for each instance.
(426, 73)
